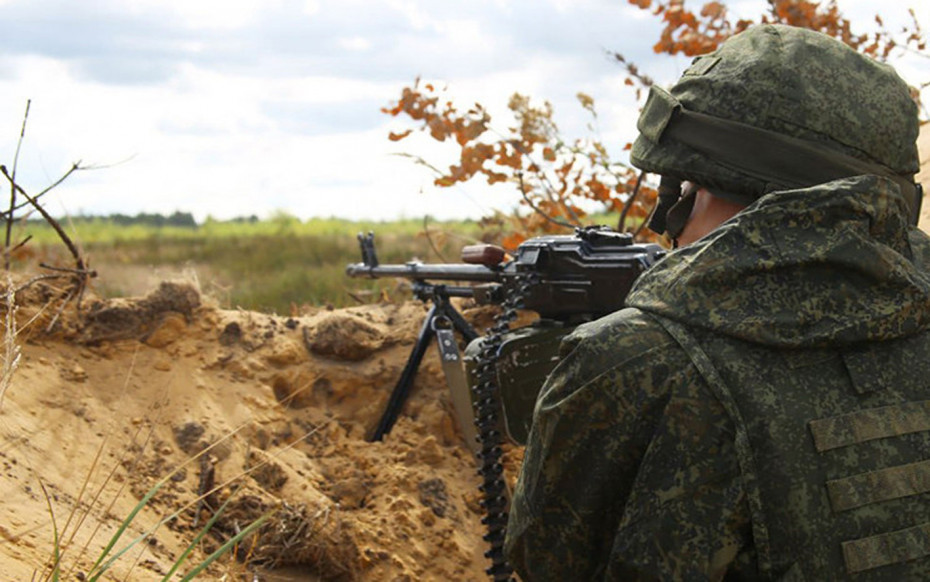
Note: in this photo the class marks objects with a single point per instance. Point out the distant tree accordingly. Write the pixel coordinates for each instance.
(251, 219)
(182, 219)
(561, 180)
(178, 218)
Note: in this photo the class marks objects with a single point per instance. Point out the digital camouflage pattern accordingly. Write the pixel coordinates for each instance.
(790, 440)
(794, 82)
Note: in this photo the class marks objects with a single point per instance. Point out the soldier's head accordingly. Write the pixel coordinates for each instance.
(775, 108)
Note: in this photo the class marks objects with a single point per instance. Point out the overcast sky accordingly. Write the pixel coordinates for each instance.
(240, 107)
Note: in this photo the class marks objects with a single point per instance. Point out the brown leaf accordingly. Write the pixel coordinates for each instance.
(399, 136)
(586, 101)
(512, 241)
(713, 10)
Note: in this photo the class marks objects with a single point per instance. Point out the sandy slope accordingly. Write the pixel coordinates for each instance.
(134, 389)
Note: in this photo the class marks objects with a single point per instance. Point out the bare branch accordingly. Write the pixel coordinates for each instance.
(547, 187)
(48, 217)
(537, 209)
(81, 272)
(61, 308)
(65, 269)
(22, 136)
(621, 223)
(420, 161)
(36, 279)
(21, 244)
(74, 168)
(7, 214)
(429, 238)
(632, 70)
(9, 218)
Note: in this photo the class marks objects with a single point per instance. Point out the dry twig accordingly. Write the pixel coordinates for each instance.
(81, 273)
(526, 198)
(9, 218)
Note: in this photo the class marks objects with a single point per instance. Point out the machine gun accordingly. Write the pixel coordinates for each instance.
(567, 280)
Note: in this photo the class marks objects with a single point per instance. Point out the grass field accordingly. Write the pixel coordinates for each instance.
(270, 265)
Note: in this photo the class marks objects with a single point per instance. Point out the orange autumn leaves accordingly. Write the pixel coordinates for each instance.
(557, 180)
(560, 180)
(692, 34)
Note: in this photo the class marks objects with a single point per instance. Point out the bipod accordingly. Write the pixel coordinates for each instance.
(441, 322)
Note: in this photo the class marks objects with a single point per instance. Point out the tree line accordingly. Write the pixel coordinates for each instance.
(158, 220)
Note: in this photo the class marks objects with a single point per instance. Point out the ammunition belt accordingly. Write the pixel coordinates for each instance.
(487, 398)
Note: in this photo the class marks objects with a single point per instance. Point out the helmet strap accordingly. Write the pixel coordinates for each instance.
(678, 215)
(669, 194)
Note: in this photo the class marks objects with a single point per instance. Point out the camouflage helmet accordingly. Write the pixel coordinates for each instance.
(779, 107)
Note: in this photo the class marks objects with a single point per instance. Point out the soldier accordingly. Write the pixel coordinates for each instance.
(761, 409)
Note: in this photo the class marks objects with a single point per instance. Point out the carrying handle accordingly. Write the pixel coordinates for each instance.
(487, 255)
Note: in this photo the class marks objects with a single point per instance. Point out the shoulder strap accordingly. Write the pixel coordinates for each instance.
(745, 457)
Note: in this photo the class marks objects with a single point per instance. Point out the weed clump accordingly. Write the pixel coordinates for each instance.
(296, 535)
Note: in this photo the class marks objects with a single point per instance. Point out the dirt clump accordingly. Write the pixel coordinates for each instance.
(343, 336)
(142, 318)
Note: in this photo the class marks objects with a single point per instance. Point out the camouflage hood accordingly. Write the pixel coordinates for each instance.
(833, 264)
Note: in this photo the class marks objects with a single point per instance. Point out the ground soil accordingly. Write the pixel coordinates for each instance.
(272, 412)
(266, 412)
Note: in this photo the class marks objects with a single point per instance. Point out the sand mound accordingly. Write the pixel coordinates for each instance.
(266, 413)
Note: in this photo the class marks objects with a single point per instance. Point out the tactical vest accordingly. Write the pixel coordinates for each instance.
(834, 451)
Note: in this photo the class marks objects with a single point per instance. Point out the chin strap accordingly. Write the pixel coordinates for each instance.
(678, 215)
(669, 194)
(673, 209)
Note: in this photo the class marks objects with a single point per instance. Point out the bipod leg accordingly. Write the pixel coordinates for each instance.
(402, 388)
(458, 322)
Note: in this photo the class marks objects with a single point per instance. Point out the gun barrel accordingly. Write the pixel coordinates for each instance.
(422, 272)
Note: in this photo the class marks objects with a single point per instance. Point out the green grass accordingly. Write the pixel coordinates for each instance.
(102, 230)
(267, 265)
(54, 570)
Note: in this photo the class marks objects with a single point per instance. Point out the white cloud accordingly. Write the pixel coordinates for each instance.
(261, 94)
(246, 106)
(355, 43)
(201, 14)
(311, 7)
(412, 10)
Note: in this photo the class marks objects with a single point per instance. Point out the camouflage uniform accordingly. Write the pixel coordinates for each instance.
(760, 411)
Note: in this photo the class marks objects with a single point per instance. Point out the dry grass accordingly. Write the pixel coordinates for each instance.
(11, 350)
(254, 266)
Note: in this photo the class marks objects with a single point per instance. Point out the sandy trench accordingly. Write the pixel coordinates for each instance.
(131, 391)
